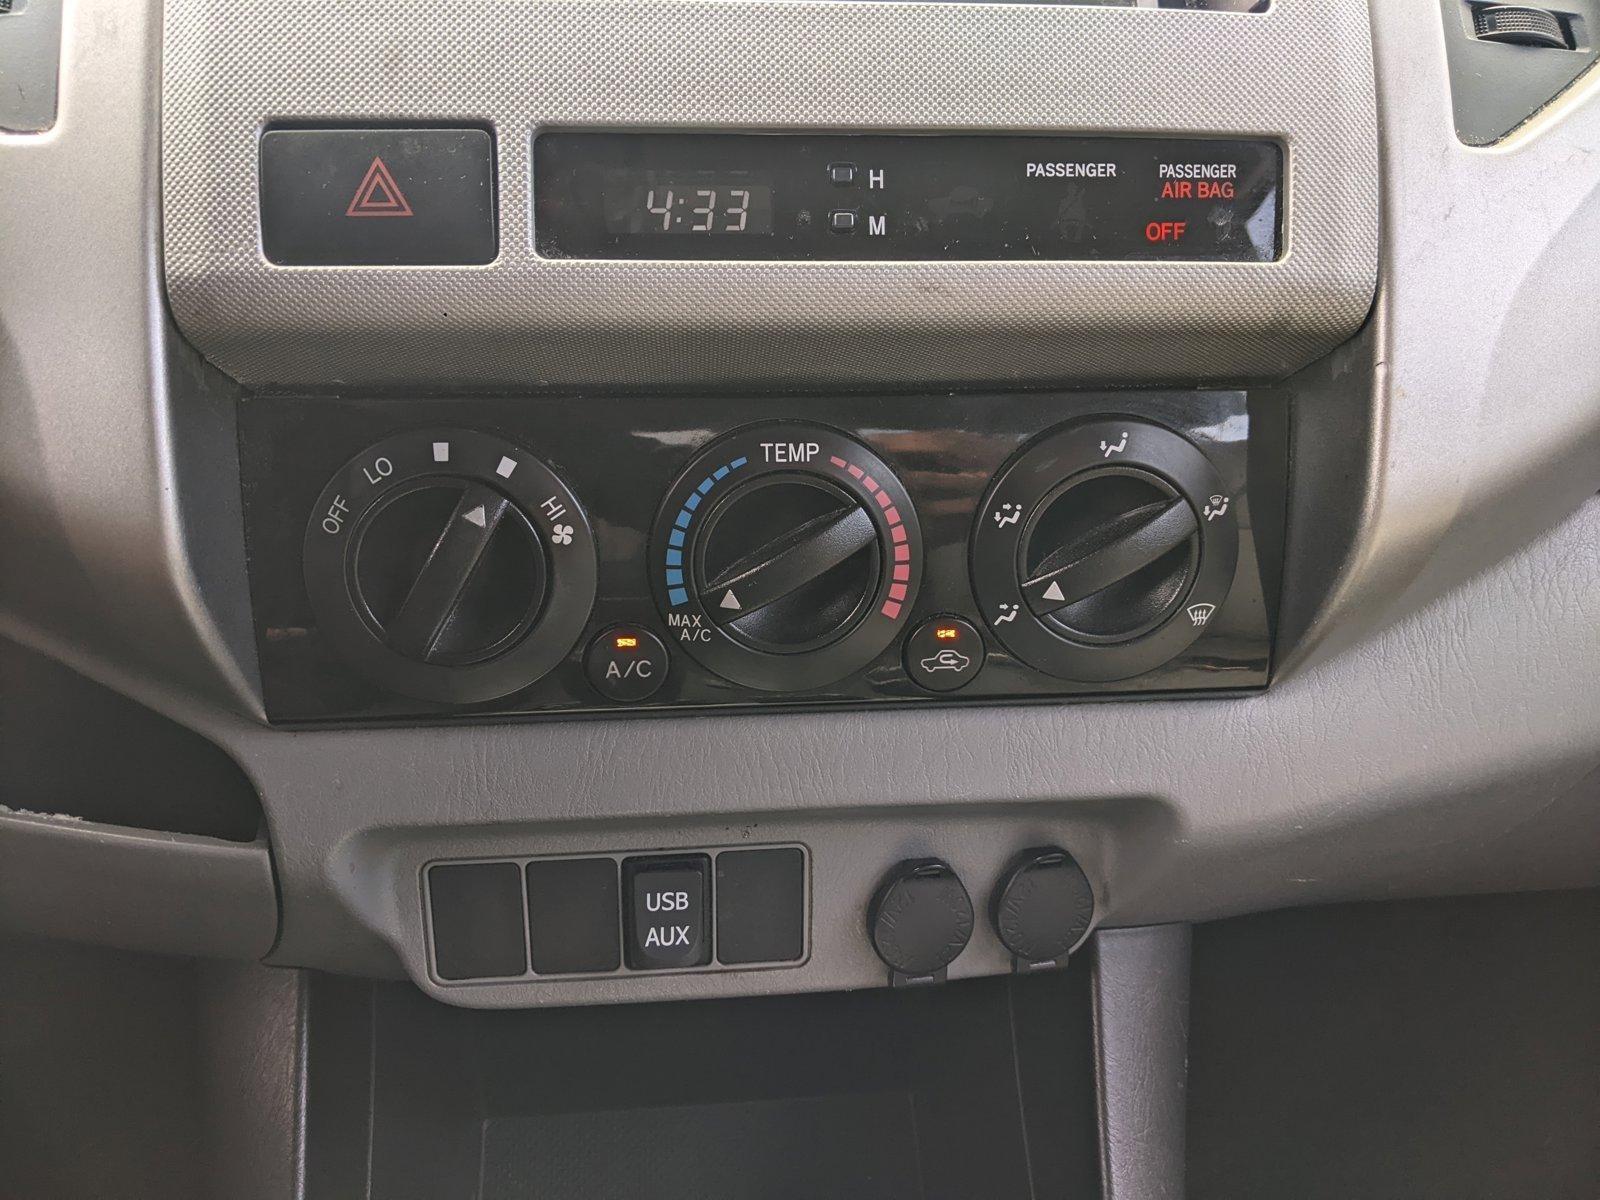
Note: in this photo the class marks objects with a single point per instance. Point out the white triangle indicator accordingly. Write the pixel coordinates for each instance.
(729, 600)
(476, 516)
(1053, 592)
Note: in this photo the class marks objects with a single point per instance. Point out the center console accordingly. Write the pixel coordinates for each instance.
(835, 510)
(619, 390)
(599, 395)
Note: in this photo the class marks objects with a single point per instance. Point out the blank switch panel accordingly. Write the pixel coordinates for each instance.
(618, 914)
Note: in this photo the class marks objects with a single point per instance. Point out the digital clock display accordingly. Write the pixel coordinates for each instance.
(693, 204)
(845, 197)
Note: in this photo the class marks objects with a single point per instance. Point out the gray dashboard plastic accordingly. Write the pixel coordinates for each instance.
(158, 892)
(1433, 727)
(1300, 73)
(30, 54)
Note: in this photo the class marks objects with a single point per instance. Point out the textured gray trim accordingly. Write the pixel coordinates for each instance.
(1436, 734)
(1301, 73)
(848, 858)
(121, 536)
(30, 66)
(162, 893)
(1466, 423)
(1314, 791)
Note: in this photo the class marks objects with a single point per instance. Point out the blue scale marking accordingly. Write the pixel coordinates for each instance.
(676, 593)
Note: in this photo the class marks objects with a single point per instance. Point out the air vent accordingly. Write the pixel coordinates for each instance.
(1516, 25)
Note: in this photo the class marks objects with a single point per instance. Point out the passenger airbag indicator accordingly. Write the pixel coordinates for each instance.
(910, 197)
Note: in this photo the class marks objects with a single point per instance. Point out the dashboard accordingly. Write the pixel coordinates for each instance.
(718, 498)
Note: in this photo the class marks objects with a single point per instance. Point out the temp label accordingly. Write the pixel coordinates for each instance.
(789, 452)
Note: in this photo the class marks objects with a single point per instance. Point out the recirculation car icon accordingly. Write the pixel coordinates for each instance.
(946, 660)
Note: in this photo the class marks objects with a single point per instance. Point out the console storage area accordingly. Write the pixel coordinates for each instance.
(981, 1088)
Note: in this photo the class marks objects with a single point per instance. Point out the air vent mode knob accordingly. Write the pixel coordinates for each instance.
(785, 557)
(1108, 554)
(450, 565)
(1104, 549)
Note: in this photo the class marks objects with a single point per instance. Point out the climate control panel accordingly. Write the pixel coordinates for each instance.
(786, 556)
(429, 558)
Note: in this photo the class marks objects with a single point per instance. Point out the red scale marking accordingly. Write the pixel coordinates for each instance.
(897, 534)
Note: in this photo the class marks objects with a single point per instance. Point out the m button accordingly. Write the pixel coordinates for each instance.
(668, 905)
(378, 197)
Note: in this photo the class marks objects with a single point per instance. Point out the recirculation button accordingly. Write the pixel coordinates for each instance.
(944, 654)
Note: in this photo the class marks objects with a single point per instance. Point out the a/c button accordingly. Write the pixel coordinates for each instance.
(626, 664)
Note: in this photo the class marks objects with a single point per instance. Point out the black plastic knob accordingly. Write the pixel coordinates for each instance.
(1043, 907)
(449, 572)
(449, 566)
(788, 563)
(920, 919)
(785, 556)
(1105, 548)
(1109, 554)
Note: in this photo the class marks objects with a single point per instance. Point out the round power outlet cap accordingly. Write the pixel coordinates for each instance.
(921, 918)
(1043, 907)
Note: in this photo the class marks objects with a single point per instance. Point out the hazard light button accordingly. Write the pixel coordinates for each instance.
(378, 197)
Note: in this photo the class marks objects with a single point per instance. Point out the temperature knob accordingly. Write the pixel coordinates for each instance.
(1104, 549)
(786, 556)
(450, 565)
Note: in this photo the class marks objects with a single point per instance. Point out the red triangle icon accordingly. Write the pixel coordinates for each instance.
(379, 195)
